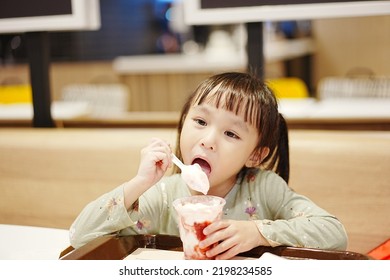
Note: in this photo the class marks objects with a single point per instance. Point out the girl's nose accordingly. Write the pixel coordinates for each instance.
(208, 141)
(211, 147)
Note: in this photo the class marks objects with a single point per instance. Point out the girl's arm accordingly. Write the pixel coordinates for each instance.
(155, 160)
(287, 219)
(109, 213)
(297, 221)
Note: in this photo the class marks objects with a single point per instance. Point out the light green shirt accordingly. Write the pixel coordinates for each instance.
(282, 216)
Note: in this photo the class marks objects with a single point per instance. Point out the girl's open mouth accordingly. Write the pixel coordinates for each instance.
(203, 164)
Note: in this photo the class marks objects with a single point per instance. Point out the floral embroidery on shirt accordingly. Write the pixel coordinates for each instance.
(142, 224)
(111, 204)
(297, 214)
(266, 222)
(251, 176)
(251, 210)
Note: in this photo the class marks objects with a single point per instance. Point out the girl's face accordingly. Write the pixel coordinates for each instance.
(220, 142)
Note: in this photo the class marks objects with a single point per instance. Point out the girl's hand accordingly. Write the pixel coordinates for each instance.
(155, 160)
(233, 236)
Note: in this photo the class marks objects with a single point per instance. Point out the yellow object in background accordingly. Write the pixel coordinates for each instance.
(10, 94)
(288, 87)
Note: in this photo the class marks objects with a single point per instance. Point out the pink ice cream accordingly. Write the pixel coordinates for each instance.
(194, 214)
(196, 179)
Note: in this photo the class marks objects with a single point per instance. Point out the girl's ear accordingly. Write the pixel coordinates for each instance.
(257, 157)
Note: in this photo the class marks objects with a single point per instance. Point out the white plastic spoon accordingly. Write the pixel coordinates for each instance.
(193, 175)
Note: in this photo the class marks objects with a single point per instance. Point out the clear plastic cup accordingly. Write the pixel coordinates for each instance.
(194, 214)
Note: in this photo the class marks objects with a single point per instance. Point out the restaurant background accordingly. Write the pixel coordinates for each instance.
(135, 28)
(48, 175)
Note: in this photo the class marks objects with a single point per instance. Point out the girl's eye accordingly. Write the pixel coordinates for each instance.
(231, 134)
(200, 122)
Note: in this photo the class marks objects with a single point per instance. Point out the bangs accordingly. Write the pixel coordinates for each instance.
(232, 97)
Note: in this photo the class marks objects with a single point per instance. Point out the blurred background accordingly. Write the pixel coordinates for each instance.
(135, 37)
(332, 77)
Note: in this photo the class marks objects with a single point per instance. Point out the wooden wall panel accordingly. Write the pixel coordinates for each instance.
(347, 43)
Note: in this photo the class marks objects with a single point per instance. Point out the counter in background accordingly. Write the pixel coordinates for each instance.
(328, 114)
(277, 50)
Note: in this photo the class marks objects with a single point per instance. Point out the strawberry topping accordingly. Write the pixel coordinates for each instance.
(199, 229)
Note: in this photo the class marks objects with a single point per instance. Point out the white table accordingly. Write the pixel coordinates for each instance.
(31, 243)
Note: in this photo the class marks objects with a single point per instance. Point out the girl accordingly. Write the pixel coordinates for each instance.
(231, 127)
